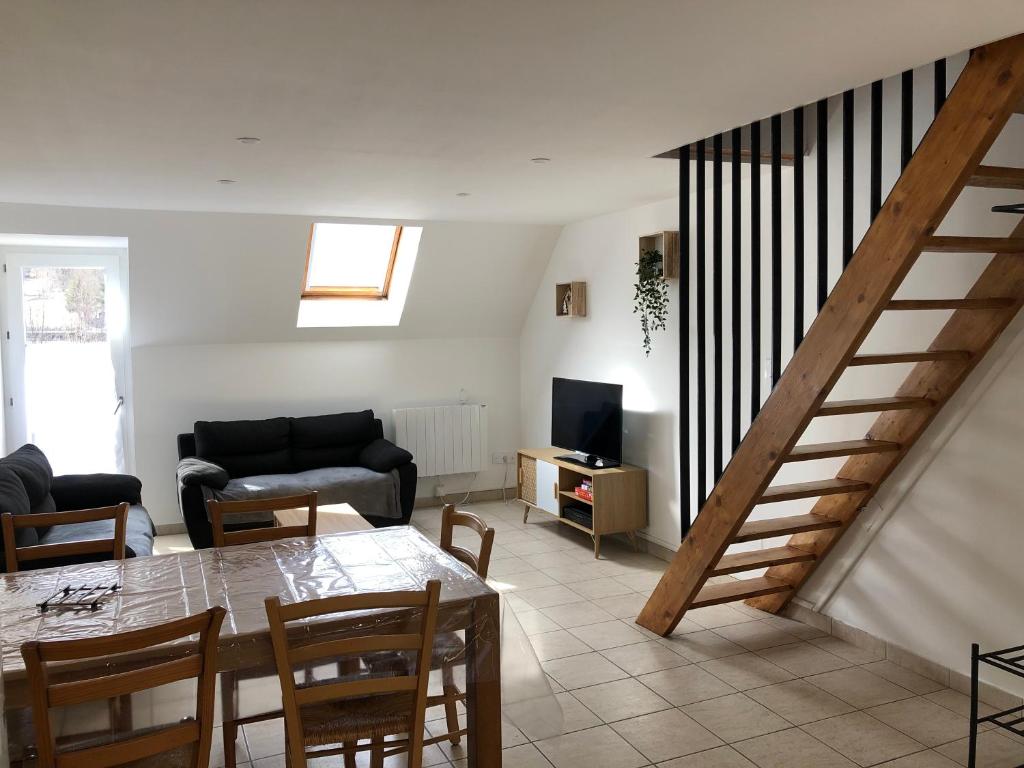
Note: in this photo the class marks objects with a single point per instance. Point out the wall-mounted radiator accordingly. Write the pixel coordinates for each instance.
(443, 439)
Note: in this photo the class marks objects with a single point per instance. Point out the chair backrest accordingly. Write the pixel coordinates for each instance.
(114, 547)
(222, 538)
(201, 664)
(288, 655)
(478, 561)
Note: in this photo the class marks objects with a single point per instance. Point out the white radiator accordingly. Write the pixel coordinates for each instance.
(443, 439)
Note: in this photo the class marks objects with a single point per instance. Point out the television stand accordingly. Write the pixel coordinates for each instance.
(591, 461)
(547, 481)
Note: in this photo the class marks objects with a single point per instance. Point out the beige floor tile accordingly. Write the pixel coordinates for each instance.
(799, 629)
(736, 717)
(666, 735)
(755, 635)
(620, 699)
(642, 581)
(803, 659)
(746, 670)
(507, 566)
(557, 645)
(701, 646)
(264, 739)
(534, 622)
(598, 747)
(720, 757)
(586, 669)
(903, 677)
(523, 756)
(862, 738)
(685, 685)
(536, 722)
(622, 606)
(545, 597)
(520, 581)
(217, 749)
(848, 651)
(604, 587)
(608, 634)
(577, 614)
(717, 616)
(994, 751)
(648, 656)
(799, 702)
(957, 702)
(791, 749)
(929, 759)
(923, 720)
(859, 687)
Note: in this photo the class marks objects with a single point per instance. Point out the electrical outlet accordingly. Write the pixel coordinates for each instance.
(502, 458)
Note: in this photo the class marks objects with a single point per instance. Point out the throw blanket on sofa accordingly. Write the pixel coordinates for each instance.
(369, 492)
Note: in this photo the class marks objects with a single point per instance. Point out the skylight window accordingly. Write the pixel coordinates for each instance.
(351, 261)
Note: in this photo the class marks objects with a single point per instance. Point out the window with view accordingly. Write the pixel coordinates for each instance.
(350, 261)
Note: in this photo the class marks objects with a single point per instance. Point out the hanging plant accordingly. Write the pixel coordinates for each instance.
(651, 298)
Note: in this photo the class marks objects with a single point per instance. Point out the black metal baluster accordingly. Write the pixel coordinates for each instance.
(684, 340)
(848, 106)
(702, 380)
(906, 117)
(876, 148)
(822, 148)
(776, 248)
(737, 284)
(755, 269)
(940, 84)
(716, 317)
(798, 227)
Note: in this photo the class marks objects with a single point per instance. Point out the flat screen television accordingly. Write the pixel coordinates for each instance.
(586, 417)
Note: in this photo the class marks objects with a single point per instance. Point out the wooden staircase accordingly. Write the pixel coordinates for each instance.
(947, 160)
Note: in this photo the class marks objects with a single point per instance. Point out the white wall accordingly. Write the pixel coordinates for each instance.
(214, 300)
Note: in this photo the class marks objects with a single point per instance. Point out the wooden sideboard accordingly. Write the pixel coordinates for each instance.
(547, 484)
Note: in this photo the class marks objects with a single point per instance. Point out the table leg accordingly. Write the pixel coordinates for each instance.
(526, 512)
(483, 684)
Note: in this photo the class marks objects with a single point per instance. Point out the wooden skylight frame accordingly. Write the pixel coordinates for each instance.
(349, 291)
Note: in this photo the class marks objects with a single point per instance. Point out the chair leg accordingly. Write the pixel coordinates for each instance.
(350, 759)
(227, 703)
(230, 737)
(451, 711)
(377, 754)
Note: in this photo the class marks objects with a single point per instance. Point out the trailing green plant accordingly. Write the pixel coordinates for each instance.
(650, 300)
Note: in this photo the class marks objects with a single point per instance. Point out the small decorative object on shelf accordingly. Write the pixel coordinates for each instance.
(571, 299)
(1009, 660)
(650, 299)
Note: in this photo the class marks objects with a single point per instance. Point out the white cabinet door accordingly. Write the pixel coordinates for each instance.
(547, 487)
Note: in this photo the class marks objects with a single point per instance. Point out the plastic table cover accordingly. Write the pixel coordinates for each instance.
(162, 588)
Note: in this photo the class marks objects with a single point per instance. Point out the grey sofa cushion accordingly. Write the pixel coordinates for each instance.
(246, 448)
(195, 471)
(14, 500)
(138, 537)
(33, 469)
(369, 492)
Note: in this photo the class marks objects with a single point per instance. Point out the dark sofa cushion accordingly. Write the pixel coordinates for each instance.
(194, 471)
(33, 469)
(245, 448)
(334, 440)
(139, 535)
(14, 500)
(383, 456)
(91, 491)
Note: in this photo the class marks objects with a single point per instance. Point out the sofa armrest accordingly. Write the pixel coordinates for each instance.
(383, 456)
(193, 471)
(90, 491)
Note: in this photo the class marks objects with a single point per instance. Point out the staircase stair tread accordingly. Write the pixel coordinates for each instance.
(997, 177)
(993, 303)
(806, 490)
(840, 448)
(910, 357)
(738, 589)
(782, 526)
(961, 244)
(761, 558)
(872, 405)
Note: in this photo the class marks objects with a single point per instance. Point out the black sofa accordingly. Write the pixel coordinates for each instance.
(342, 456)
(28, 486)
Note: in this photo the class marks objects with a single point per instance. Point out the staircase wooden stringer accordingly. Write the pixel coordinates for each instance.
(1005, 275)
(982, 100)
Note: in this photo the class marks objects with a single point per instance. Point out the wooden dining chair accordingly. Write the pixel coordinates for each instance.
(113, 547)
(226, 538)
(185, 744)
(367, 707)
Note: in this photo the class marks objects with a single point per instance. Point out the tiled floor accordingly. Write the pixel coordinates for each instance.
(732, 688)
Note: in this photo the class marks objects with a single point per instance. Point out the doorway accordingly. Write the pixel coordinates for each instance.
(65, 371)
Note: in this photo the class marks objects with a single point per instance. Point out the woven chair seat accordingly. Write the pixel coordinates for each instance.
(366, 717)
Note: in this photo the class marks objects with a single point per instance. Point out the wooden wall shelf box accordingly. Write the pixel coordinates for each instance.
(667, 244)
(577, 305)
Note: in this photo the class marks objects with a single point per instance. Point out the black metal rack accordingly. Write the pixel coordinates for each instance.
(1009, 660)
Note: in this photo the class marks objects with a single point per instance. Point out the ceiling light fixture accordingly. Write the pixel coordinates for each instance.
(540, 160)
(462, 194)
(226, 181)
(248, 139)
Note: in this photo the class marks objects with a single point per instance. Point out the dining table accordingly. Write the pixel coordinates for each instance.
(152, 590)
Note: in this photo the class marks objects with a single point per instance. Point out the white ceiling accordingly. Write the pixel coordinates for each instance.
(388, 108)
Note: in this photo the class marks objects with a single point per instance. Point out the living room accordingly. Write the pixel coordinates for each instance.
(202, 156)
